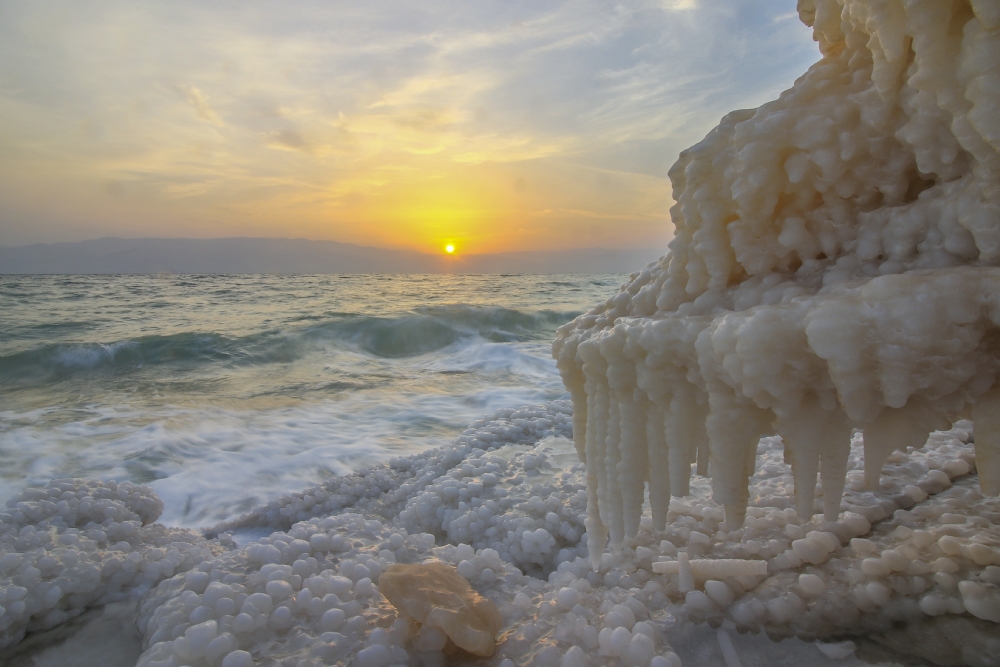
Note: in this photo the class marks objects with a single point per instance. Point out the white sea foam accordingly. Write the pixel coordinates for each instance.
(212, 464)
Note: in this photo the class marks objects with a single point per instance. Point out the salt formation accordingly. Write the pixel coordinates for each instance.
(441, 601)
(913, 565)
(834, 268)
(73, 544)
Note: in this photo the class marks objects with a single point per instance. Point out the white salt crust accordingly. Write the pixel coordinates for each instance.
(834, 268)
(920, 549)
(74, 544)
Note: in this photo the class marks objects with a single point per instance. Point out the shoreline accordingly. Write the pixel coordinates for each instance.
(522, 462)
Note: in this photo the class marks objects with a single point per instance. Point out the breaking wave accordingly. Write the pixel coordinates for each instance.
(420, 332)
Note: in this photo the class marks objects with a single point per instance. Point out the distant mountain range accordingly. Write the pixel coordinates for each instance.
(253, 255)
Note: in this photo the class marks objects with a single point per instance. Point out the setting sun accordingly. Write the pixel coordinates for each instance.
(449, 248)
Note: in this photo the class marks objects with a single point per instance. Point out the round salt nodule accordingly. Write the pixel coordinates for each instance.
(567, 598)
(956, 468)
(547, 657)
(238, 659)
(720, 593)
(779, 609)
(338, 585)
(875, 567)
(646, 628)
(215, 592)
(373, 656)
(810, 550)
(364, 587)
(698, 602)
(201, 614)
(200, 635)
(895, 560)
(466, 569)
(219, 647)
(666, 660)
(575, 657)
(979, 601)
(619, 640)
(282, 618)
(945, 565)
(742, 614)
(980, 554)
(639, 651)
(628, 613)
(279, 590)
(878, 592)
(812, 584)
(262, 602)
(331, 620)
(933, 605)
(243, 623)
(862, 545)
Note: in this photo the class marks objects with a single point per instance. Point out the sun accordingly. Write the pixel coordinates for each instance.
(450, 248)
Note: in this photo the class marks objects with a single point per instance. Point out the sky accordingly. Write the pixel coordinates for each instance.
(493, 125)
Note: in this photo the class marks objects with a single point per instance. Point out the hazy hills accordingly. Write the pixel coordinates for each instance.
(255, 255)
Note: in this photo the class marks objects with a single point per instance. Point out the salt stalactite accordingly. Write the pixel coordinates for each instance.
(834, 267)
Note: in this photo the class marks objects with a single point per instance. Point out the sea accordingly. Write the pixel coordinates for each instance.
(223, 391)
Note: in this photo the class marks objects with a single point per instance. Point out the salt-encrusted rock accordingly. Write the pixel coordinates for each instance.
(834, 267)
(437, 596)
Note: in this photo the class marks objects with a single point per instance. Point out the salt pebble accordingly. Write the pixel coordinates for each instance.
(238, 659)
(838, 650)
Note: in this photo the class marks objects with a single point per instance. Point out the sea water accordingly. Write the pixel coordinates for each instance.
(222, 392)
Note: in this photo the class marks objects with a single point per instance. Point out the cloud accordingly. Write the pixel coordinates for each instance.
(289, 140)
(197, 101)
(344, 121)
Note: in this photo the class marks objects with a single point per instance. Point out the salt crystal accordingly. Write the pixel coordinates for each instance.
(435, 594)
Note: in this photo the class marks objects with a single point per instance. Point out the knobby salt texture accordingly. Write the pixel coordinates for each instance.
(834, 268)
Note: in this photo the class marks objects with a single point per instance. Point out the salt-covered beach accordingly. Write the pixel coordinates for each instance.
(781, 446)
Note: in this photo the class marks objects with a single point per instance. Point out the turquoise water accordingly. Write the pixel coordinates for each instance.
(222, 392)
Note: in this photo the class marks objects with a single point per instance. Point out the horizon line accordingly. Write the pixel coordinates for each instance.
(345, 243)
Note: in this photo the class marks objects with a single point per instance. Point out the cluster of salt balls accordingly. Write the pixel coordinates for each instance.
(923, 545)
(74, 544)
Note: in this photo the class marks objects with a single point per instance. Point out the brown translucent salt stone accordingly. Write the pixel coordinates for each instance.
(436, 595)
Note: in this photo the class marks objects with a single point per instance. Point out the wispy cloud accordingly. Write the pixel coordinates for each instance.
(350, 122)
(197, 101)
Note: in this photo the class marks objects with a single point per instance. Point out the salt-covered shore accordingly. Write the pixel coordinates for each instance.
(912, 566)
(828, 307)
